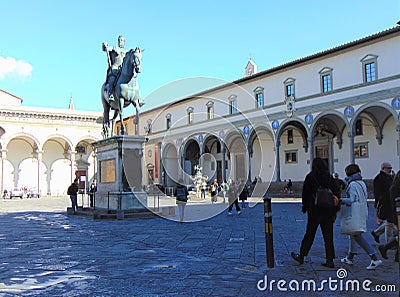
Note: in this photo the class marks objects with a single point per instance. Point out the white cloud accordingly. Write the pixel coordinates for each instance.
(10, 67)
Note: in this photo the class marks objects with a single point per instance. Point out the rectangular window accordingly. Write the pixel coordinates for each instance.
(210, 112)
(370, 72)
(290, 157)
(289, 90)
(168, 123)
(361, 150)
(260, 100)
(290, 136)
(232, 107)
(359, 127)
(190, 117)
(326, 83)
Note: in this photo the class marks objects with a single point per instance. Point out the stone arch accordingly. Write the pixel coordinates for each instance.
(191, 154)
(171, 164)
(261, 145)
(237, 155)
(212, 157)
(23, 159)
(378, 113)
(334, 123)
(300, 125)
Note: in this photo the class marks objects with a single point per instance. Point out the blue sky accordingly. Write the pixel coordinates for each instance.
(51, 50)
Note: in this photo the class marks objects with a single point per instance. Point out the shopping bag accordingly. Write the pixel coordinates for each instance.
(353, 219)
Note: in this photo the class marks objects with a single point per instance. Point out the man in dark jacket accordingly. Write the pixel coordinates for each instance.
(383, 204)
(73, 194)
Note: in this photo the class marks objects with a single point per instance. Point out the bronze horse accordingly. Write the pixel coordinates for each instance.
(126, 91)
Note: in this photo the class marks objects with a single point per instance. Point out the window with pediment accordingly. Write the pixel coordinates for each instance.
(210, 110)
(259, 96)
(233, 104)
(190, 115)
(370, 68)
(326, 80)
(168, 120)
(289, 87)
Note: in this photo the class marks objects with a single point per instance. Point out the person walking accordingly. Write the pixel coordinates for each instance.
(224, 189)
(392, 218)
(214, 191)
(383, 204)
(232, 198)
(357, 192)
(73, 195)
(318, 216)
(181, 199)
(92, 190)
(203, 190)
(339, 183)
(243, 194)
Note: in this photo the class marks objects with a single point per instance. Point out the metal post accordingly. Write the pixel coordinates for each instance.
(397, 200)
(269, 242)
(108, 202)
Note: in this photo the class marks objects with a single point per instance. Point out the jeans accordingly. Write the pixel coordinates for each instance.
(74, 201)
(386, 228)
(359, 238)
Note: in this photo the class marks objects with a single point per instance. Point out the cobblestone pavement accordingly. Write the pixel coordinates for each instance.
(46, 253)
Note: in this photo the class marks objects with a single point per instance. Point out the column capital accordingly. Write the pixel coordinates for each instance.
(4, 154)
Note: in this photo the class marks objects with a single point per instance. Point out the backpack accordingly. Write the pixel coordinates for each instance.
(70, 190)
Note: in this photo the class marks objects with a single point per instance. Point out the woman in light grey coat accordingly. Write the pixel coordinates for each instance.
(357, 192)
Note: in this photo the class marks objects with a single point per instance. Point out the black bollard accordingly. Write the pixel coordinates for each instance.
(269, 242)
(398, 223)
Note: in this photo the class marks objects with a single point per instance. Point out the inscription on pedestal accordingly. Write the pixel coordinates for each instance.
(107, 171)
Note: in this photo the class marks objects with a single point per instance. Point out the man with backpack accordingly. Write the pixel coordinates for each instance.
(73, 194)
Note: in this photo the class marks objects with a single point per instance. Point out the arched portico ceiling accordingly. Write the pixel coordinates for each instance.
(294, 124)
(332, 124)
(59, 140)
(209, 143)
(378, 114)
(169, 150)
(191, 149)
(256, 131)
(29, 139)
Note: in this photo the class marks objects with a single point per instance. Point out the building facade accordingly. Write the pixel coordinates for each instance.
(45, 149)
(341, 104)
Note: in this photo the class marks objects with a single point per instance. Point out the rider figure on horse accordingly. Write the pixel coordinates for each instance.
(116, 55)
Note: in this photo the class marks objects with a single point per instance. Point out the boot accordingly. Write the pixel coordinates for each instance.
(384, 248)
(299, 258)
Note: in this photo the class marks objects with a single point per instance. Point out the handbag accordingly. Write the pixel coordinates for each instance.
(353, 218)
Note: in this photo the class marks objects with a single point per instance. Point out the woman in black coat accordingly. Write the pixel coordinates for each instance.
(392, 218)
(317, 216)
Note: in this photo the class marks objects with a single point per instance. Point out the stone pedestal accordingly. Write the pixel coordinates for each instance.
(119, 173)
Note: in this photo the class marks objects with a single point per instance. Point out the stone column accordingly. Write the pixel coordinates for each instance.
(351, 146)
(277, 159)
(223, 162)
(250, 153)
(311, 153)
(3, 157)
(39, 157)
(72, 159)
(398, 143)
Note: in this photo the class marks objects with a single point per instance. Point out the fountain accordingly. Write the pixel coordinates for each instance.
(199, 179)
